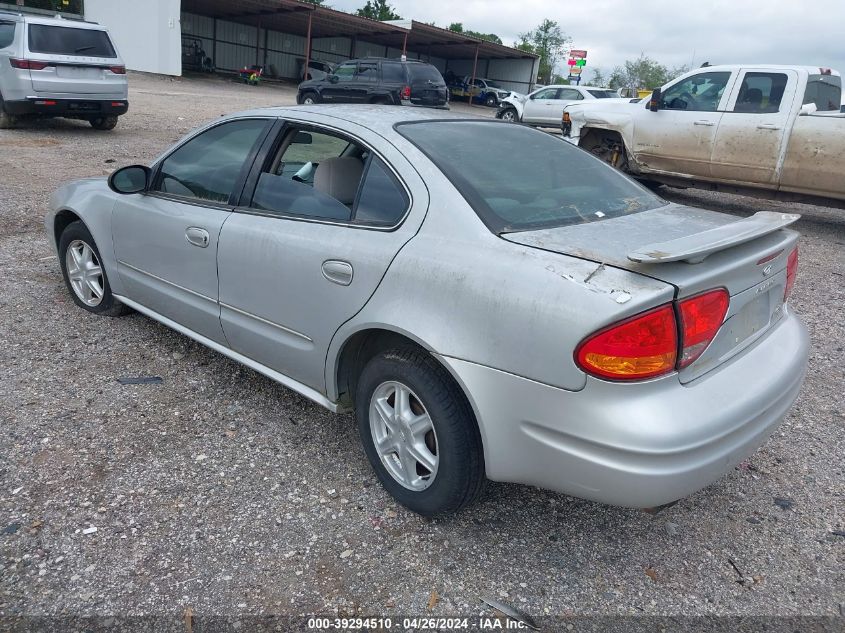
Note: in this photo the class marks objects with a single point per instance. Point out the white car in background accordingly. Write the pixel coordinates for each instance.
(544, 106)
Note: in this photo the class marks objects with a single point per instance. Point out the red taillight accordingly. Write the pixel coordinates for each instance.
(406, 93)
(118, 70)
(641, 347)
(646, 346)
(28, 64)
(791, 272)
(701, 317)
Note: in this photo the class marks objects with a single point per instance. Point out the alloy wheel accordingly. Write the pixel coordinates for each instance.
(403, 435)
(85, 273)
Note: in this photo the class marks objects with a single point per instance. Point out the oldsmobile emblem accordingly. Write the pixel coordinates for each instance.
(767, 271)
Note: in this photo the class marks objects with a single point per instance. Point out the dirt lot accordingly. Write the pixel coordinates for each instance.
(221, 491)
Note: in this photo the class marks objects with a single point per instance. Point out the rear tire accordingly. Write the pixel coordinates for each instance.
(7, 121)
(431, 458)
(84, 274)
(104, 123)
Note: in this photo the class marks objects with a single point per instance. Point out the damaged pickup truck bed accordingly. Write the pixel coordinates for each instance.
(769, 131)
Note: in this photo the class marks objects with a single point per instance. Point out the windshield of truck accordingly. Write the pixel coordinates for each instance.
(517, 178)
(825, 91)
(63, 40)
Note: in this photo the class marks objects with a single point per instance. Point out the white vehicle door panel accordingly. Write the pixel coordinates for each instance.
(749, 144)
(680, 141)
(538, 106)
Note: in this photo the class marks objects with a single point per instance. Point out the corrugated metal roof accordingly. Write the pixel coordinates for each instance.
(291, 16)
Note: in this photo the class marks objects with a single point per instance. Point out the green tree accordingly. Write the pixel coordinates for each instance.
(458, 27)
(644, 73)
(378, 10)
(549, 43)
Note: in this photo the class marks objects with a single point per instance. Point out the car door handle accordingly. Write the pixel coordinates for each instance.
(338, 272)
(768, 126)
(704, 123)
(197, 236)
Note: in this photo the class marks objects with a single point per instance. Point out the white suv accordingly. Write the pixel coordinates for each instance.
(55, 67)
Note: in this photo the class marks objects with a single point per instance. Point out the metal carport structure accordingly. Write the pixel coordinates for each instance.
(283, 33)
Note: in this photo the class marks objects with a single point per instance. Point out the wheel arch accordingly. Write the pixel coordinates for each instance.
(360, 346)
(61, 220)
(593, 137)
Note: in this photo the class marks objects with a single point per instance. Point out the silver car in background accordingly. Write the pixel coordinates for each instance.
(52, 67)
(553, 323)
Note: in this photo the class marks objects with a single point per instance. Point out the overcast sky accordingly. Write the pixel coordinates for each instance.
(670, 31)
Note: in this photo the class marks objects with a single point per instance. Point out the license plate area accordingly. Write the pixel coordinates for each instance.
(78, 72)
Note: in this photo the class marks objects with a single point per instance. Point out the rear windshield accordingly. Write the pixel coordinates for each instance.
(603, 94)
(63, 40)
(425, 72)
(825, 91)
(518, 179)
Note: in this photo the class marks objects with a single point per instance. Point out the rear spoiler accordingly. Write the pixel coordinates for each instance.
(694, 248)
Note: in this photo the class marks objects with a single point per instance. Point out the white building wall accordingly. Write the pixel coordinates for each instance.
(147, 34)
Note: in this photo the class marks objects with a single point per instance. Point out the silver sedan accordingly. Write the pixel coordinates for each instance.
(543, 320)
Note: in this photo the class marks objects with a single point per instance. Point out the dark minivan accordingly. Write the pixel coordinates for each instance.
(375, 80)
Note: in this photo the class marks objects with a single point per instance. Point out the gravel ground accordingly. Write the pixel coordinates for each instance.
(221, 491)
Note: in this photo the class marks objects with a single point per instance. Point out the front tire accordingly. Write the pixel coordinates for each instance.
(491, 101)
(104, 123)
(84, 274)
(509, 115)
(419, 432)
(310, 98)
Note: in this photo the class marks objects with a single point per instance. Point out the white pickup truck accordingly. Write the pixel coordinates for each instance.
(770, 131)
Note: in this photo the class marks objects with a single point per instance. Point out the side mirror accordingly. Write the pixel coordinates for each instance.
(303, 138)
(132, 179)
(654, 101)
(333, 79)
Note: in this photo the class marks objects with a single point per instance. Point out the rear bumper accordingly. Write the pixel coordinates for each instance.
(637, 445)
(85, 108)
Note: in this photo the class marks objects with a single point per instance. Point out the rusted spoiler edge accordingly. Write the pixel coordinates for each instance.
(695, 248)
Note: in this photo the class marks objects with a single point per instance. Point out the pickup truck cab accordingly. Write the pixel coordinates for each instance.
(771, 131)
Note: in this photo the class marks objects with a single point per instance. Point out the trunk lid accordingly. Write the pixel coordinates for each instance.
(751, 266)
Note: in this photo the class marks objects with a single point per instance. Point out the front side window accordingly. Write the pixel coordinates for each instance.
(761, 93)
(825, 91)
(546, 93)
(208, 166)
(569, 94)
(345, 71)
(699, 93)
(7, 34)
(64, 40)
(546, 183)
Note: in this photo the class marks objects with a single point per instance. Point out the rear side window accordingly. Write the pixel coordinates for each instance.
(381, 201)
(368, 72)
(546, 183)
(208, 166)
(425, 72)
(7, 34)
(761, 93)
(394, 73)
(603, 94)
(63, 40)
(825, 91)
